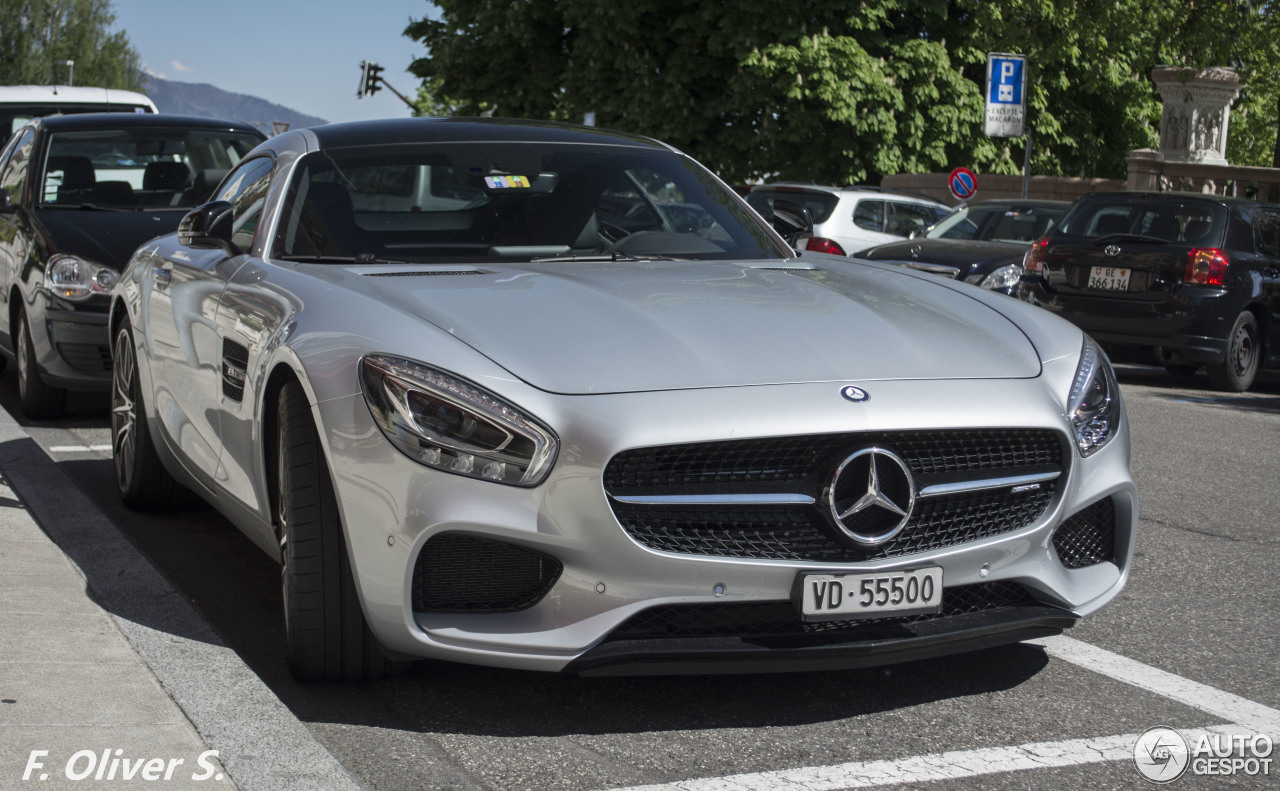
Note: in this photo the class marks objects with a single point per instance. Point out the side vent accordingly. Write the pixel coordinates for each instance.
(235, 366)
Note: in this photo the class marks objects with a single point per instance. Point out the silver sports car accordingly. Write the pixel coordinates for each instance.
(552, 397)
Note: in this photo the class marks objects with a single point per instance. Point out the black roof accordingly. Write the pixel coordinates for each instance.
(1225, 200)
(92, 121)
(486, 130)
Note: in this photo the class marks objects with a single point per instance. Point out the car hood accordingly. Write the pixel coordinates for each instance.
(579, 328)
(967, 255)
(107, 237)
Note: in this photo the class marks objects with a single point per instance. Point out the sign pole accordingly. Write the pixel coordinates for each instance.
(1026, 163)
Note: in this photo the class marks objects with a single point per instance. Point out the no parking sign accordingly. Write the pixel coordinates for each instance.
(962, 184)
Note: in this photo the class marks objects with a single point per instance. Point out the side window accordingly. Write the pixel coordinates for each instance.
(14, 173)
(1267, 222)
(869, 214)
(246, 190)
(907, 217)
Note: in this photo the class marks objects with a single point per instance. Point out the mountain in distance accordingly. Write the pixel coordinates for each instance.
(206, 101)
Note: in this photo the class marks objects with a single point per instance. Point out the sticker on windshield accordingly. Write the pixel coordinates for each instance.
(507, 182)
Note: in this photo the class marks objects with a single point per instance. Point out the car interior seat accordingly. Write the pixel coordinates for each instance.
(166, 176)
(77, 178)
(336, 232)
(1196, 230)
(1112, 223)
(1164, 226)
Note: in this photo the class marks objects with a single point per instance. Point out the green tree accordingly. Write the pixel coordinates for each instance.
(847, 90)
(37, 33)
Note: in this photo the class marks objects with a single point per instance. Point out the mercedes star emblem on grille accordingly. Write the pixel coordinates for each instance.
(1112, 250)
(854, 393)
(871, 496)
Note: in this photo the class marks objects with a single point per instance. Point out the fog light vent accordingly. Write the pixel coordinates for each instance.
(458, 573)
(1088, 537)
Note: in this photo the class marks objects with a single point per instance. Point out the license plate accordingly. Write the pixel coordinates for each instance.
(1109, 278)
(825, 597)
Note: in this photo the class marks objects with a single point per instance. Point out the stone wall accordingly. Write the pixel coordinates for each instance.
(990, 186)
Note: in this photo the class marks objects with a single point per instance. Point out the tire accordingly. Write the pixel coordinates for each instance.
(1181, 369)
(39, 400)
(326, 634)
(1237, 371)
(142, 481)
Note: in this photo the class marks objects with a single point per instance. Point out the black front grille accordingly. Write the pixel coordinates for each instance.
(465, 574)
(88, 357)
(804, 465)
(1088, 537)
(781, 619)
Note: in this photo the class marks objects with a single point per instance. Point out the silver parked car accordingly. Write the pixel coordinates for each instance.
(552, 397)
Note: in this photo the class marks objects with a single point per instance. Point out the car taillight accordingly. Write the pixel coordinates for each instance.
(1206, 266)
(819, 245)
(1033, 259)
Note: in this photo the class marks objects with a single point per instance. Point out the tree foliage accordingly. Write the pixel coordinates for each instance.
(34, 34)
(849, 90)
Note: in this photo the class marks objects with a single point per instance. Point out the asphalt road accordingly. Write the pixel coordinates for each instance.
(1200, 605)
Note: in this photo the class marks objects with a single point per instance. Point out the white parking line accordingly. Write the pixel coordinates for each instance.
(1232, 708)
(927, 768)
(1243, 714)
(78, 448)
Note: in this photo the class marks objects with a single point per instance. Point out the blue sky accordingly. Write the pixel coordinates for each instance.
(303, 55)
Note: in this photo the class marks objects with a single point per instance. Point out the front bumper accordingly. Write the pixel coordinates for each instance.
(392, 507)
(72, 348)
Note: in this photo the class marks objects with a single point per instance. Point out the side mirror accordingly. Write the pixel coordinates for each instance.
(791, 219)
(208, 226)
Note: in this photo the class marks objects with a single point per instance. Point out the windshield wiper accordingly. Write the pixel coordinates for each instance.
(363, 258)
(84, 206)
(1128, 237)
(602, 258)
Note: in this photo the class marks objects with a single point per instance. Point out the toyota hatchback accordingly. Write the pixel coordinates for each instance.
(1193, 278)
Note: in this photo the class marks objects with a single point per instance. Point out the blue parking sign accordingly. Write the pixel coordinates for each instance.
(1006, 80)
(1006, 94)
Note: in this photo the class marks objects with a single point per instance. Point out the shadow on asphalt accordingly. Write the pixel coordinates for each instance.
(1263, 397)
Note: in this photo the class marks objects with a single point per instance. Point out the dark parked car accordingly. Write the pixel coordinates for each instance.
(78, 194)
(1196, 278)
(982, 243)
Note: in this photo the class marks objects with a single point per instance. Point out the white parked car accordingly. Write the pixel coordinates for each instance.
(849, 219)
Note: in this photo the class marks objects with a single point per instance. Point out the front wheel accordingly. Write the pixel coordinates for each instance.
(39, 400)
(325, 629)
(142, 481)
(1237, 372)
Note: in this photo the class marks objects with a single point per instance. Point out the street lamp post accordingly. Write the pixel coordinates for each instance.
(71, 66)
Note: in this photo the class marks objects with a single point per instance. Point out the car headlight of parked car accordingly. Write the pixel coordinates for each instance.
(1004, 277)
(449, 424)
(1094, 403)
(75, 278)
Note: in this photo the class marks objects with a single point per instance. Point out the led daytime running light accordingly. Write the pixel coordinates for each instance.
(1093, 405)
(449, 424)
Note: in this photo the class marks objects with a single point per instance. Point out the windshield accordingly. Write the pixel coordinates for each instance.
(464, 202)
(997, 223)
(138, 168)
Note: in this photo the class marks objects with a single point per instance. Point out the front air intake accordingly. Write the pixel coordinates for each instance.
(466, 574)
(1088, 537)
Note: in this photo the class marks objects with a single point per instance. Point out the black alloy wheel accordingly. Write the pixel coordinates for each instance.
(141, 479)
(39, 400)
(1238, 370)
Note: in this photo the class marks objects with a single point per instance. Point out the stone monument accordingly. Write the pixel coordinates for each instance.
(1197, 109)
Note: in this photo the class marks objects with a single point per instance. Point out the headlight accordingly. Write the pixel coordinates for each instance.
(449, 424)
(72, 277)
(1094, 403)
(1004, 277)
